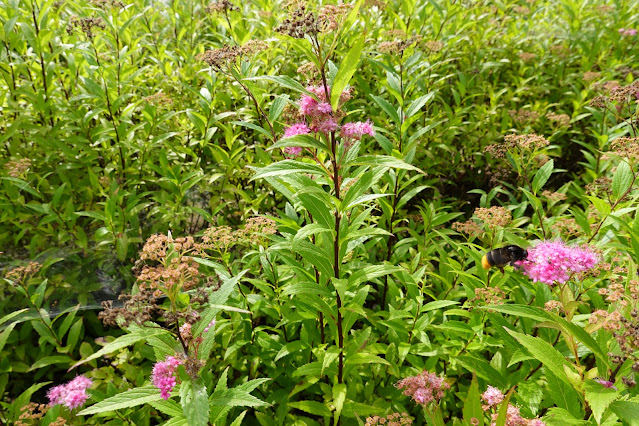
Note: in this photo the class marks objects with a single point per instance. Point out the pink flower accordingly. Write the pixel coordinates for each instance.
(357, 130)
(327, 125)
(296, 129)
(71, 395)
(163, 376)
(492, 397)
(627, 32)
(606, 383)
(553, 261)
(208, 327)
(423, 388)
(292, 151)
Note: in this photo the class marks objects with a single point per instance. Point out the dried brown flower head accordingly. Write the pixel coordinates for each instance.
(599, 102)
(331, 17)
(562, 120)
(523, 115)
(626, 93)
(308, 70)
(433, 46)
(552, 305)
(527, 56)
(224, 57)
(395, 419)
(138, 308)
(591, 76)
(469, 227)
(398, 46)
(560, 50)
(159, 99)
(625, 147)
(17, 168)
(489, 296)
(494, 217)
(105, 4)
(554, 196)
(33, 413)
(529, 142)
(566, 226)
(87, 25)
(522, 10)
(220, 6)
(601, 185)
(23, 273)
(299, 24)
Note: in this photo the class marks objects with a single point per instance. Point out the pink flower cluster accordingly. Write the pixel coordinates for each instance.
(424, 388)
(493, 397)
(554, 261)
(319, 114)
(163, 376)
(71, 395)
(627, 32)
(208, 327)
(357, 130)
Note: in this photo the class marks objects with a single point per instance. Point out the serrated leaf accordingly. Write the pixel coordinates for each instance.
(128, 399)
(346, 70)
(599, 398)
(195, 404)
(542, 176)
(621, 180)
(544, 352)
(312, 407)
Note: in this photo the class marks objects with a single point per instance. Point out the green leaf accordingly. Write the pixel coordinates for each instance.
(384, 161)
(128, 399)
(539, 314)
(621, 180)
(599, 398)
(626, 411)
(286, 167)
(387, 107)
(122, 342)
(542, 176)
(195, 404)
(339, 396)
(284, 81)
(346, 70)
(253, 127)
(5, 334)
(418, 103)
(304, 141)
(437, 304)
(235, 398)
(312, 407)
(369, 273)
(50, 360)
(472, 404)
(545, 353)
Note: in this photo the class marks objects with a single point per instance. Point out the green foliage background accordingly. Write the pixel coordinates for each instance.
(130, 134)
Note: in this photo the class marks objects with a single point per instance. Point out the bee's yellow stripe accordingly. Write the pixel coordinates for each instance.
(485, 263)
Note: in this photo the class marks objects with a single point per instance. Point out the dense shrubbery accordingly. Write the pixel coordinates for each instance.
(283, 210)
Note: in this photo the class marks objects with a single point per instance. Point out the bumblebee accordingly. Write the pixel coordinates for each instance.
(503, 256)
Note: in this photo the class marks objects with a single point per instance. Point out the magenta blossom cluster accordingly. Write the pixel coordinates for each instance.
(493, 397)
(164, 377)
(319, 117)
(72, 394)
(424, 388)
(627, 32)
(553, 261)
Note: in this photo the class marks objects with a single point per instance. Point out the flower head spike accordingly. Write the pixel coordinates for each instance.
(424, 388)
(357, 130)
(164, 377)
(72, 394)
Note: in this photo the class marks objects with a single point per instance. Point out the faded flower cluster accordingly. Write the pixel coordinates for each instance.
(493, 397)
(424, 388)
